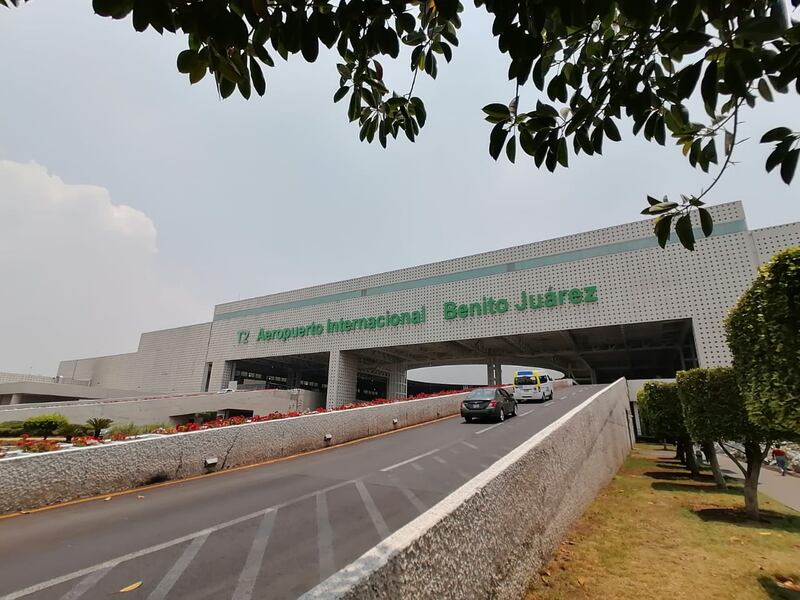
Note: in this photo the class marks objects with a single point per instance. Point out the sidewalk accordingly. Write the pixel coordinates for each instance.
(783, 489)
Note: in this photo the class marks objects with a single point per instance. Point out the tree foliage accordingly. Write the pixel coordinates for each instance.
(764, 336)
(577, 67)
(44, 425)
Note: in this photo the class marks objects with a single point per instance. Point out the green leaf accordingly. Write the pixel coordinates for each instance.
(340, 93)
(497, 110)
(496, 140)
(419, 110)
(610, 129)
(789, 165)
(563, 152)
(683, 227)
(511, 148)
(708, 88)
(706, 221)
(687, 79)
(763, 89)
(186, 61)
(659, 207)
(259, 83)
(760, 29)
(775, 135)
(662, 229)
(652, 201)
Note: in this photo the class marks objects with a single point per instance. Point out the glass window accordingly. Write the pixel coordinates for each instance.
(525, 381)
(481, 394)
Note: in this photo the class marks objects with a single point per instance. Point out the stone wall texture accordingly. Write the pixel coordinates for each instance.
(492, 535)
(36, 480)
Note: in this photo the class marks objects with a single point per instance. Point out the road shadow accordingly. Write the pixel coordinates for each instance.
(769, 519)
(663, 486)
(776, 587)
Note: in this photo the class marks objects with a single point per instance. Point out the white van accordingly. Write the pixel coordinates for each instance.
(530, 385)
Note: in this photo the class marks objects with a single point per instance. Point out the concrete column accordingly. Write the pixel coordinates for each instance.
(292, 378)
(397, 384)
(221, 373)
(342, 376)
(498, 373)
(490, 373)
(494, 372)
(16, 398)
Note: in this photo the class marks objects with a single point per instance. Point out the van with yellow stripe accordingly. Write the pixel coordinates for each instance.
(530, 385)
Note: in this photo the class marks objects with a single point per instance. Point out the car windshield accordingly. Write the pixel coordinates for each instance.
(483, 394)
(525, 381)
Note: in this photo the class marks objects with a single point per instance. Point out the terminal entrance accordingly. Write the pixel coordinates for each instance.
(591, 355)
(306, 371)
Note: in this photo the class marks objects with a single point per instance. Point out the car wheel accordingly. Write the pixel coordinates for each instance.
(513, 410)
(467, 419)
(502, 416)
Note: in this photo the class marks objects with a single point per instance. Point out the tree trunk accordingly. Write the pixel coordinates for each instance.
(691, 460)
(752, 451)
(680, 452)
(711, 455)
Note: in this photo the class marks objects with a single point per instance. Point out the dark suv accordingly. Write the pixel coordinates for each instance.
(494, 403)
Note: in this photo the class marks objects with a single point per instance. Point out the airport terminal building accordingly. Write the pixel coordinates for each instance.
(596, 306)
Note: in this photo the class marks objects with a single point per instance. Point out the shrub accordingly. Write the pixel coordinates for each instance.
(11, 429)
(44, 425)
(127, 429)
(98, 424)
(71, 430)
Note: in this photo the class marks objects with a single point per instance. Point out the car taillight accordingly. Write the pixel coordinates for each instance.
(493, 403)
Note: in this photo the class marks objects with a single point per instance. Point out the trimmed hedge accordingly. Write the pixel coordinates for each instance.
(713, 407)
(764, 336)
(661, 410)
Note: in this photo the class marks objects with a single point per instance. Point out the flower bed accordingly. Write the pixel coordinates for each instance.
(28, 445)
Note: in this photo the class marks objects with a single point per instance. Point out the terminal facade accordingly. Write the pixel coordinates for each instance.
(595, 306)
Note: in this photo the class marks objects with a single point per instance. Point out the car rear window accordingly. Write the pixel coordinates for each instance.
(525, 381)
(482, 394)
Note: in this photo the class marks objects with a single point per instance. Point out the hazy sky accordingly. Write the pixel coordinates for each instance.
(130, 201)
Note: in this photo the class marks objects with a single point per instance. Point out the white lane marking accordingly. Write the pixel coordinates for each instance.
(440, 460)
(417, 467)
(525, 413)
(109, 564)
(547, 403)
(414, 499)
(85, 584)
(405, 462)
(327, 565)
(454, 451)
(468, 445)
(252, 566)
(485, 429)
(374, 513)
(170, 579)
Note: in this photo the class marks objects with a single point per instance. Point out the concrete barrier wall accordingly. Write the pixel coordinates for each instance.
(159, 409)
(492, 535)
(34, 480)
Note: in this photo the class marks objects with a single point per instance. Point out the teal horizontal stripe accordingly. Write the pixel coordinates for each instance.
(522, 265)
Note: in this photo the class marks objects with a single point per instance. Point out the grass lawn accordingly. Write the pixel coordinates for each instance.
(656, 533)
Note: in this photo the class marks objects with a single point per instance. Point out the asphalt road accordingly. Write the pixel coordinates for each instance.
(266, 532)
